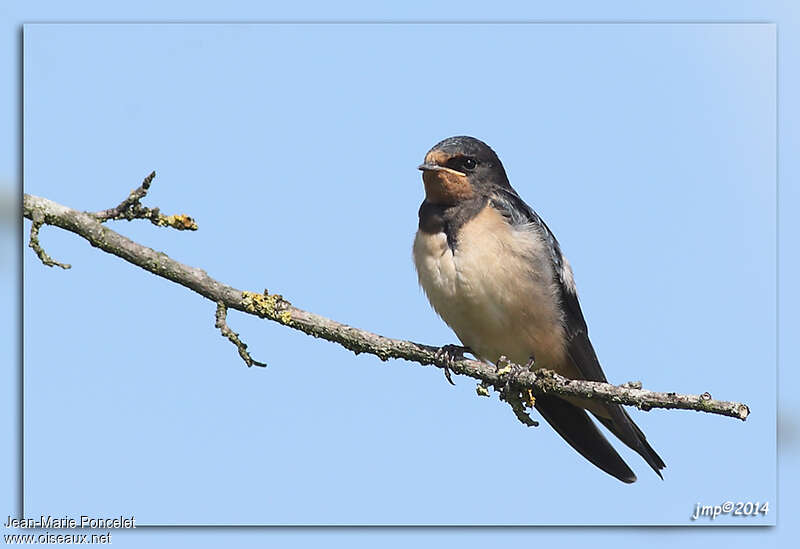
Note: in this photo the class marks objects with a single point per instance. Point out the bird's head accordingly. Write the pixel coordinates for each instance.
(460, 168)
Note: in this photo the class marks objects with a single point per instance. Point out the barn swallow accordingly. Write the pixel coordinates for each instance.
(494, 272)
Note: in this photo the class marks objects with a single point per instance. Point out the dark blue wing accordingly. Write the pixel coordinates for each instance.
(569, 422)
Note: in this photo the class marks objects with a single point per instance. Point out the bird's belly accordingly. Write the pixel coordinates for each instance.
(494, 297)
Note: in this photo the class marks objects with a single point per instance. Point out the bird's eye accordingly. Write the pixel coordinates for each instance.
(469, 163)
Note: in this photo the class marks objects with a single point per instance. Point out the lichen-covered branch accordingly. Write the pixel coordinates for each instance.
(512, 382)
(131, 208)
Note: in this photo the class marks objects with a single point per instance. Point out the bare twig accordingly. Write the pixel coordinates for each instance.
(221, 323)
(276, 308)
(33, 243)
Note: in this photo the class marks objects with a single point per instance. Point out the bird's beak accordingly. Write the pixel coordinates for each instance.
(437, 168)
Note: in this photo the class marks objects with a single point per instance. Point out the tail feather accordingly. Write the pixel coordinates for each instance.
(616, 419)
(577, 428)
(628, 432)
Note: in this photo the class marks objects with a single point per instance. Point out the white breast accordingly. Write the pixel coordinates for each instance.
(496, 292)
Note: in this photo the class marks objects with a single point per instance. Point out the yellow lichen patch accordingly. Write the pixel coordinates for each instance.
(182, 222)
(504, 370)
(482, 391)
(260, 304)
(266, 305)
(531, 399)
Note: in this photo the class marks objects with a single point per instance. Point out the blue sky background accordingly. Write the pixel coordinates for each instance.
(649, 150)
(300, 143)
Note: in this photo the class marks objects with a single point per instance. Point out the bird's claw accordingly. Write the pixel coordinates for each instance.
(448, 354)
(511, 370)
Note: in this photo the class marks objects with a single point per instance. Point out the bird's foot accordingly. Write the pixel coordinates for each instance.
(449, 354)
(530, 364)
(505, 366)
(510, 371)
